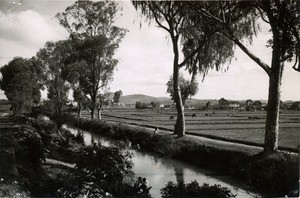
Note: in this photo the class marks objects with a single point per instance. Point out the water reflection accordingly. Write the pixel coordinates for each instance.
(93, 140)
(179, 173)
(89, 138)
(159, 170)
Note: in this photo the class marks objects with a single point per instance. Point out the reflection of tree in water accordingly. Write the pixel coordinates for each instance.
(99, 140)
(92, 139)
(179, 173)
(178, 168)
(77, 131)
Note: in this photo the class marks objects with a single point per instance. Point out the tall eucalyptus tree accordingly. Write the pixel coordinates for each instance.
(54, 57)
(237, 20)
(93, 24)
(207, 50)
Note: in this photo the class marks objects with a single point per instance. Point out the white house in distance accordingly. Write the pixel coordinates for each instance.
(234, 105)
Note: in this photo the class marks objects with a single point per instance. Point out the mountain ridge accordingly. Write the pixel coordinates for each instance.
(133, 98)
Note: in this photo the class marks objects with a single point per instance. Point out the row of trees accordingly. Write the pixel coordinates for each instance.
(84, 62)
(208, 31)
(248, 104)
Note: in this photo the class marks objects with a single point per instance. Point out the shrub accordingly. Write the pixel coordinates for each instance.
(41, 124)
(103, 166)
(79, 138)
(12, 189)
(84, 189)
(194, 190)
(30, 145)
(140, 105)
(277, 173)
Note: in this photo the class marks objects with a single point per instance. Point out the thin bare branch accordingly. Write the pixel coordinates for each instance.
(156, 19)
(263, 65)
(258, 7)
(209, 15)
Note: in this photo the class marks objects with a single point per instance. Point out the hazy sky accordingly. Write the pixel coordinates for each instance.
(145, 54)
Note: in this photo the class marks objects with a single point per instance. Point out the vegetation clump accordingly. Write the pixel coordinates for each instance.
(98, 170)
(11, 188)
(277, 172)
(193, 189)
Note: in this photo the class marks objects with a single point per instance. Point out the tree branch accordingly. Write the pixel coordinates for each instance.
(207, 14)
(258, 7)
(192, 54)
(263, 65)
(156, 19)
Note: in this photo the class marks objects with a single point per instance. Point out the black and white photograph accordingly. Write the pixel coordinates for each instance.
(149, 99)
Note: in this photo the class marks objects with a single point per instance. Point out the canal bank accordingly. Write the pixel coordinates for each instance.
(272, 175)
(160, 170)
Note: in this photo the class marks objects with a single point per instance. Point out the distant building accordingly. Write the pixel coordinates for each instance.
(234, 105)
(161, 106)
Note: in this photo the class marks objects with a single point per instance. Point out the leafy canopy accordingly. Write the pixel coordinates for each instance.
(202, 46)
(22, 79)
(117, 96)
(187, 88)
(91, 25)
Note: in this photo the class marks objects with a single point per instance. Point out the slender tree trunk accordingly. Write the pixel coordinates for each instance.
(92, 112)
(272, 120)
(58, 116)
(79, 107)
(93, 106)
(180, 122)
(99, 113)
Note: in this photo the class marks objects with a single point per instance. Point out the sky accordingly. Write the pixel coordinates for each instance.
(145, 54)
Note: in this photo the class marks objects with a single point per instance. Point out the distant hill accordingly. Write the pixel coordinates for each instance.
(289, 101)
(132, 99)
(161, 99)
(197, 103)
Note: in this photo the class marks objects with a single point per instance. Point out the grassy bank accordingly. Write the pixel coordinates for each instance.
(274, 175)
(38, 138)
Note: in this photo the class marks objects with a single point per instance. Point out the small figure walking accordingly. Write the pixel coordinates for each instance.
(156, 130)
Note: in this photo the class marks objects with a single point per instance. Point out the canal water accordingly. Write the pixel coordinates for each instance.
(159, 170)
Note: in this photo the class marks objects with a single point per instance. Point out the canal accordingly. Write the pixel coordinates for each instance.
(159, 170)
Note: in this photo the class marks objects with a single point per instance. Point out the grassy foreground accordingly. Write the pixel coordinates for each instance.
(274, 175)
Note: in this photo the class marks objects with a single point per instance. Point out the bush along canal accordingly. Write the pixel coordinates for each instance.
(275, 175)
(160, 170)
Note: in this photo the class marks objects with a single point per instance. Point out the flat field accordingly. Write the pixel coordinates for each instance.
(236, 126)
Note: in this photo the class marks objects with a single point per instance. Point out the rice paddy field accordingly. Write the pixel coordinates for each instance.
(235, 126)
